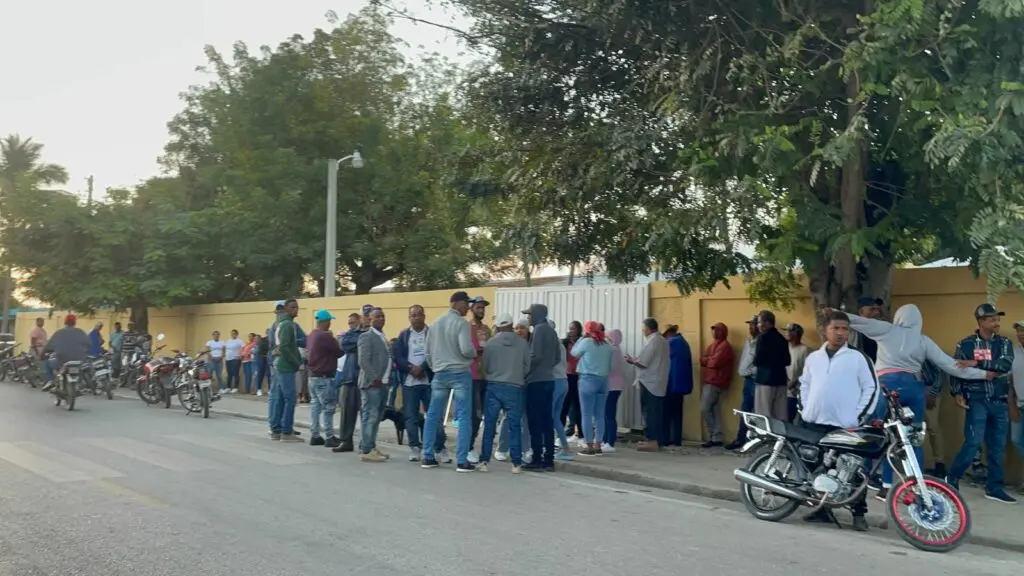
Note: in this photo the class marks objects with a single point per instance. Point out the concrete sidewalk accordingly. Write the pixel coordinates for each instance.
(690, 470)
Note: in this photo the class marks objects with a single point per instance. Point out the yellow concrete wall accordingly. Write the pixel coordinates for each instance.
(946, 297)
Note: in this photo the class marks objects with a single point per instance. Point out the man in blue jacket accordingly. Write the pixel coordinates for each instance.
(680, 385)
(410, 353)
(348, 378)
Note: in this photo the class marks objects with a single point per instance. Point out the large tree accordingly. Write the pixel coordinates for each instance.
(255, 143)
(844, 137)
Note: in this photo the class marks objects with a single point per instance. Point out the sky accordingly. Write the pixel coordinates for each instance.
(96, 82)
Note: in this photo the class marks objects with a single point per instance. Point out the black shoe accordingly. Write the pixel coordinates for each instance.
(316, 441)
(818, 517)
(333, 442)
(533, 467)
(939, 471)
(549, 468)
(467, 467)
(429, 463)
(882, 495)
(735, 445)
(954, 482)
(710, 444)
(860, 524)
(344, 447)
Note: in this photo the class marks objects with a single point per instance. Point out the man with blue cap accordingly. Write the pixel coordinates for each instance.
(348, 380)
(323, 351)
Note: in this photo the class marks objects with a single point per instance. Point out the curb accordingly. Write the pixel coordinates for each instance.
(879, 521)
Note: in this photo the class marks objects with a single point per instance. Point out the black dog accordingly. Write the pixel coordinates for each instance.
(390, 413)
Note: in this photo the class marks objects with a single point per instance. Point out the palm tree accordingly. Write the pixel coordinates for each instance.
(22, 170)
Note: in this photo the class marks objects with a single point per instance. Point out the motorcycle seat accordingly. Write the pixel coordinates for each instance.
(794, 432)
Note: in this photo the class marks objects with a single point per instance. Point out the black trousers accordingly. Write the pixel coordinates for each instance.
(571, 408)
(348, 406)
(479, 394)
(860, 506)
(539, 396)
(654, 411)
(672, 420)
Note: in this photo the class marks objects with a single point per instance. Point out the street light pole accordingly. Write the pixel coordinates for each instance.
(331, 240)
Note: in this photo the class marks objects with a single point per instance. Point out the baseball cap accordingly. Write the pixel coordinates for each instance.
(322, 315)
(987, 310)
(504, 319)
(1018, 324)
(524, 322)
(479, 300)
(70, 318)
(279, 304)
(754, 320)
(459, 296)
(794, 327)
(868, 301)
(366, 309)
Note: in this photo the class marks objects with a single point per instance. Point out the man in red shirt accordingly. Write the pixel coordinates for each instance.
(715, 376)
(323, 351)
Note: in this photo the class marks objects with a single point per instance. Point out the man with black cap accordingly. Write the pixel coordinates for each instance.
(986, 401)
(348, 392)
(481, 333)
(867, 307)
(450, 353)
(771, 359)
(746, 371)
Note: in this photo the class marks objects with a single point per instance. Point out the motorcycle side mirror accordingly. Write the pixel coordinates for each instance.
(160, 337)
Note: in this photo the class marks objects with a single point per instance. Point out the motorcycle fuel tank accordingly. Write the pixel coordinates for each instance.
(864, 441)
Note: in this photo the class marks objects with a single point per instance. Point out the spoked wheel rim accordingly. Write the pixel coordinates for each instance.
(763, 499)
(944, 524)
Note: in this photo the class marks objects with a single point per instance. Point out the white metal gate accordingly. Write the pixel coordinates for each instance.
(622, 306)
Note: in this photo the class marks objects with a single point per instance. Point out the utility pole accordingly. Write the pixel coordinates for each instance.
(88, 191)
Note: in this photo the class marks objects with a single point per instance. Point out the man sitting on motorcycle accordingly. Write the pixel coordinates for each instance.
(70, 344)
(838, 389)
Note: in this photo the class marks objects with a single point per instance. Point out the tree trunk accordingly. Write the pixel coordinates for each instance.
(139, 315)
(5, 325)
(572, 273)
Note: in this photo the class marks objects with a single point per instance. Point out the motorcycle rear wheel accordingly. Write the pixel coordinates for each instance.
(904, 494)
(749, 501)
(108, 385)
(204, 400)
(144, 390)
(69, 394)
(167, 398)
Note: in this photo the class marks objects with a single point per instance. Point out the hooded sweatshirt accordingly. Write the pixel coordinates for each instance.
(450, 344)
(544, 354)
(716, 361)
(506, 359)
(618, 376)
(902, 347)
(680, 369)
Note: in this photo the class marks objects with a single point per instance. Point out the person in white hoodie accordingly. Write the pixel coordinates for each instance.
(902, 352)
(838, 389)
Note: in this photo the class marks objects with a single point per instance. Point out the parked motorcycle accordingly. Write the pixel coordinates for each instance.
(65, 385)
(132, 367)
(96, 377)
(194, 384)
(20, 368)
(800, 467)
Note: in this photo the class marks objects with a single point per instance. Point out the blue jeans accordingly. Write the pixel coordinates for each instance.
(912, 393)
(611, 417)
(281, 407)
(323, 400)
(538, 413)
(216, 368)
(501, 396)
(747, 405)
(247, 373)
(373, 402)
(262, 372)
(461, 383)
(503, 435)
(558, 395)
(412, 398)
(593, 395)
(51, 366)
(987, 420)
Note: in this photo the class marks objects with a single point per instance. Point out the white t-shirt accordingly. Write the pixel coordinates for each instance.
(216, 349)
(233, 348)
(417, 356)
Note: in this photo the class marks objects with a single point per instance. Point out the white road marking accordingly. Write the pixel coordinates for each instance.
(153, 454)
(277, 456)
(52, 464)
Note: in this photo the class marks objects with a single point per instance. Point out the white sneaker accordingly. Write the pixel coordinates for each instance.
(473, 457)
(501, 456)
(444, 456)
(528, 457)
(414, 455)
(233, 391)
(579, 442)
(607, 448)
(259, 392)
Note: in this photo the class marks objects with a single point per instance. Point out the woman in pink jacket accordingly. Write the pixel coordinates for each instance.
(616, 383)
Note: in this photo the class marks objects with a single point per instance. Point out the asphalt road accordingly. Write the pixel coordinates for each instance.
(118, 488)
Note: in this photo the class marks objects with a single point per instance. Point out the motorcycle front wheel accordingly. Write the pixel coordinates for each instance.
(204, 400)
(149, 394)
(784, 507)
(942, 528)
(167, 397)
(108, 385)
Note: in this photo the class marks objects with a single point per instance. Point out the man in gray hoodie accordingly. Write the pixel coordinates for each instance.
(540, 388)
(506, 360)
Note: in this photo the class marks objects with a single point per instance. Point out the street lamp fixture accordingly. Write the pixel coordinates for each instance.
(331, 240)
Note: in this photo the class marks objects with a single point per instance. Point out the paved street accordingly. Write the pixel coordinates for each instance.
(118, 488)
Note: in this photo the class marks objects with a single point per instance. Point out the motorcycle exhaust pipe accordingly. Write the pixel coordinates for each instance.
(767, 485)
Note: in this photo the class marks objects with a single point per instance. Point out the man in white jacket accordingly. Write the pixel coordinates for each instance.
(838, 389)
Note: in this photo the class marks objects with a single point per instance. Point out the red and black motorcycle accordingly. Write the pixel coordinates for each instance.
(158, 381)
